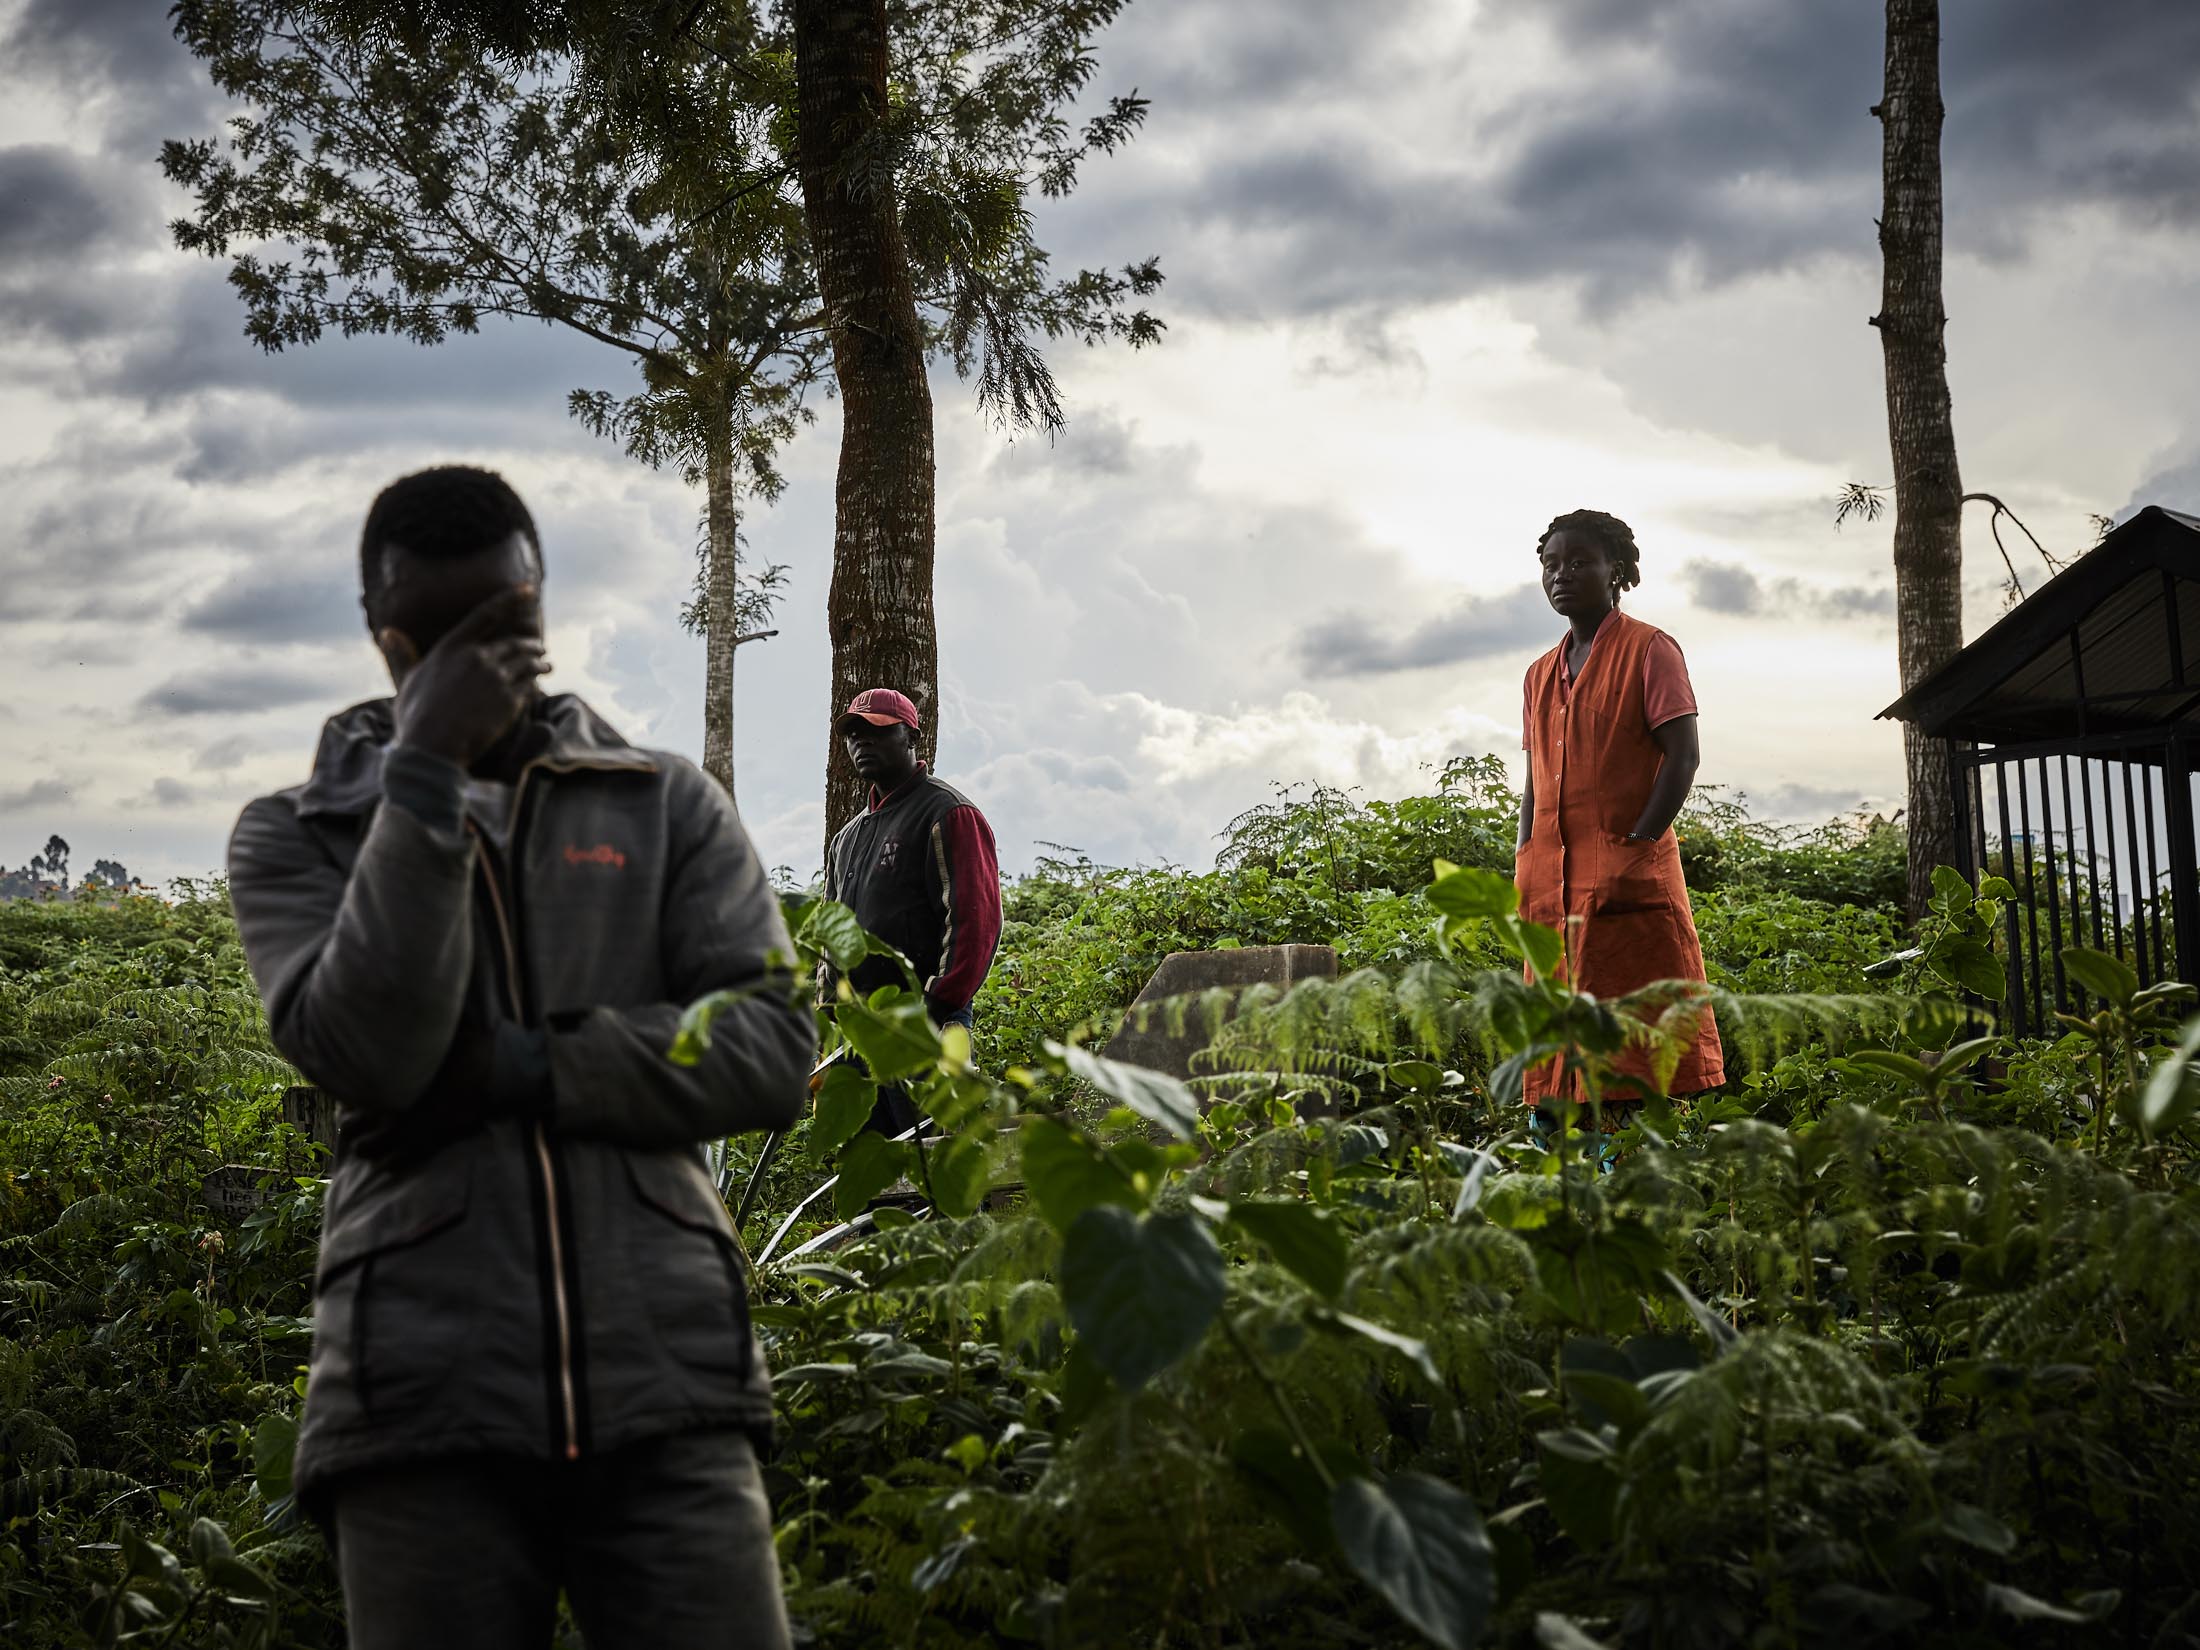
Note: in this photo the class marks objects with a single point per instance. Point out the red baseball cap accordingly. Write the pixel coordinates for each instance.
(882, 707)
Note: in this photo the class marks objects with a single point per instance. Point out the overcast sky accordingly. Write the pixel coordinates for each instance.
(1436, 273)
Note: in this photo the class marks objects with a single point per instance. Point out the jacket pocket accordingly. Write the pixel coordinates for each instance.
(395, 1290)
(688, 1265)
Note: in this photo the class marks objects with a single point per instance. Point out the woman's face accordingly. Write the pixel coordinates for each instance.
(1577, 575)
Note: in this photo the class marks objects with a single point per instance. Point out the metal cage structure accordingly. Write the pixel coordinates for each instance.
(2075, 723)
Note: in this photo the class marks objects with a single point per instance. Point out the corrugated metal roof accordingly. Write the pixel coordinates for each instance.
(2110, 645)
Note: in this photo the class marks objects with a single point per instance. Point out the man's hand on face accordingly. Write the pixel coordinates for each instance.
(472, 685)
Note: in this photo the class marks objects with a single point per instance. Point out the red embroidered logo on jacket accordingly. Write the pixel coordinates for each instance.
(602, 854)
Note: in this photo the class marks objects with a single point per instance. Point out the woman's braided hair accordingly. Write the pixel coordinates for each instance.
(1614, 534)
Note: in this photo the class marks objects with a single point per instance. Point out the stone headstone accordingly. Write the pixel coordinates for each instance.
(233, 1191)
(1147, 1038)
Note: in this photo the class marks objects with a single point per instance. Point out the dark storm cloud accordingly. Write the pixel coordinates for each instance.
(119, 56)
(257, 607)
(39, 793)
(1355, 644)
(1730, 588)
(233, 690)
(1684, 141)
(58, 203)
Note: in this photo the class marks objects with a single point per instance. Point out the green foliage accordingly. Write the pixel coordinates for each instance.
(1375, 1358)
(1892, 1343)
(151, 1350)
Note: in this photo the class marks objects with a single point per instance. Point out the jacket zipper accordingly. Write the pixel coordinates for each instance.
(561, 1304)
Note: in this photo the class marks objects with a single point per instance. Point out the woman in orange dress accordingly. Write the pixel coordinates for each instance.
(1610, 732)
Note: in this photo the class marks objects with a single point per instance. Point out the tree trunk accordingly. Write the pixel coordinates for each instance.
(1928, 489)
(879, 609)
(721, 592)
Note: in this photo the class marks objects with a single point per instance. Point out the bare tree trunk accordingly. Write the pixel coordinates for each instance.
(721, 592)
(1928, 489)
(879, 609)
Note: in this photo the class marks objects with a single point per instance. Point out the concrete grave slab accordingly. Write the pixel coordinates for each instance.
(1146, 1038)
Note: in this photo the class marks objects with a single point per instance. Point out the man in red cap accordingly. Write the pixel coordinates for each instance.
(918, 868)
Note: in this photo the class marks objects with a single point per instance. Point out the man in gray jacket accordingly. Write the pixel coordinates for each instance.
(476, 926)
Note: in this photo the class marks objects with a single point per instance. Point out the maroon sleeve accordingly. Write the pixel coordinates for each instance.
(970, 888)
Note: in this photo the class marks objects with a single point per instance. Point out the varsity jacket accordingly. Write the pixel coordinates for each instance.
(918, 868)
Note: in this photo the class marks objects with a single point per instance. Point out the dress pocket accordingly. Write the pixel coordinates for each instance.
(1635, 874)
(688, 1265)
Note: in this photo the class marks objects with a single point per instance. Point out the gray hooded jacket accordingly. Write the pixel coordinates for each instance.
(557, 1277)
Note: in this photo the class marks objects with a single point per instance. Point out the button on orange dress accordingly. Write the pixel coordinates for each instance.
(1622, 906)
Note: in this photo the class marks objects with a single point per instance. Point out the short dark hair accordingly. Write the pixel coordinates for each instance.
(447, 511)
(1617, 538)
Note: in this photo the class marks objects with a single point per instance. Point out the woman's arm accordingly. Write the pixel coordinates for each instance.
(1677, 745)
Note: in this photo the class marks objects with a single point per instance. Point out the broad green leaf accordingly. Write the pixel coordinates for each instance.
(1581, 1483)
(1905, 1066)
(1064, 1176)
(1420, 1544)
(1975, 1527)
(895, 1040)
(274, 1443)
(1996, 888)
(869, 1165)
(692, 1039)
(1471, 892)
(209, 1541)
(2019, 1605)
(845, 1100)
(1609, 1397)
(1415, 1074)
(1141, 1290)
(1154, 1095)
(1289, 1483)
(1544, 948)
(2173, 1089)
(1415, 1352)
(1304, 1240)
(1556, 1632)
(833, 929)
(1949, 886)
(239, 1578)
(956, 1173)
(1964, 1055)
(1970, 964)
(2109, 978)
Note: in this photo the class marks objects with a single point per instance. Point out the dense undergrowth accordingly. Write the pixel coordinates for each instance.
(1892, 1343)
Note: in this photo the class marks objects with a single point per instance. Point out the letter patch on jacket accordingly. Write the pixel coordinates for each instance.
(602, 854)
(889, 854)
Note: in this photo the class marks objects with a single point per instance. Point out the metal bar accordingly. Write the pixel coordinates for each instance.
(2154, 876)
(2115, 887)
(2092, 856)
(2177, 807)
(2054, 902)
(1961, 797)
(2138, 906)
(2147, 736)
(2032, 1011)
(2009, 907)
(2176, 628)
(2076, 1002)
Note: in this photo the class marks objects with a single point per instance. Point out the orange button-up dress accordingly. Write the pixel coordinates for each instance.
(1622, 905)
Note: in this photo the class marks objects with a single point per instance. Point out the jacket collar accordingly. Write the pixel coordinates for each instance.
(347, 769)
(880, 799)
